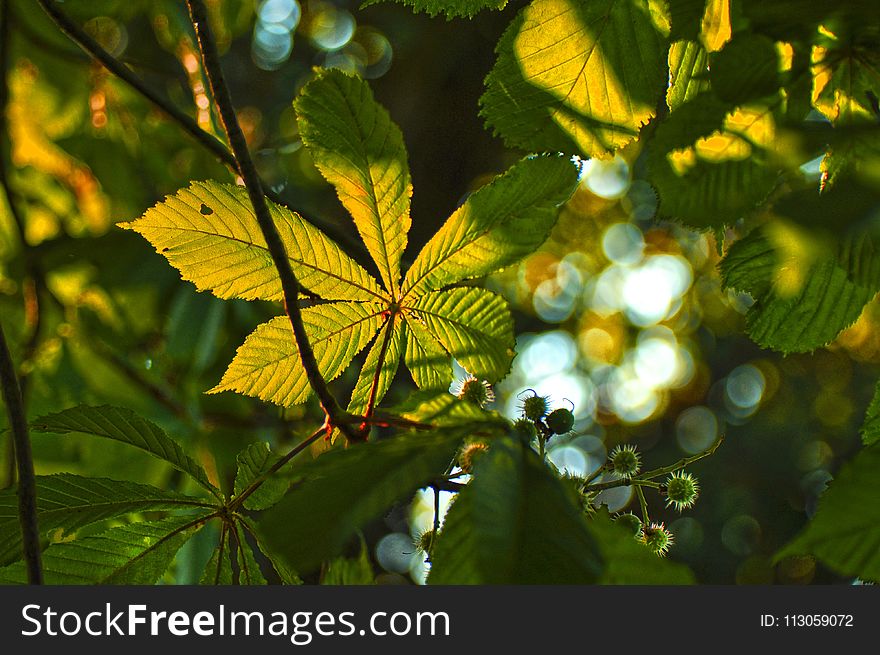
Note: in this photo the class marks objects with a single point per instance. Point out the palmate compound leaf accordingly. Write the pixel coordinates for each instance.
(209, 232)
(124, 425)
(133, 554)
(67, 502)
(451, 8)
(844, 533)
(578, 77)
(361, 152)
(341, 491)
(514, 523)
(497, 225)
(805, 295)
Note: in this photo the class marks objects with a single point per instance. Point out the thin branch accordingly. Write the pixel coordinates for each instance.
(289, 283)
(27, 485)
(79, 36)
(186, 122)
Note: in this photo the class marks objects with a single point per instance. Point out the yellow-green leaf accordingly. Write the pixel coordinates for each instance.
(473, 325)
(688, 72)
(209, 232)
(497, 225)
(360, 151)
(429, 365)
(268, 364)
(577, 77)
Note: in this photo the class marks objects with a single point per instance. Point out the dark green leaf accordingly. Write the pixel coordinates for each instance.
(747, 68)
(68, 502)
(344, 489)
(134, 554)
(845, 531)
(253, 462)
(514, 523)
(121, 424)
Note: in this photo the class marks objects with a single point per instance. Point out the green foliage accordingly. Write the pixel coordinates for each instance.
(451, 8)
(803, 300)
(341, 491)
(121, 424)
(717, 105)
(138, 553)
(67, 502)
(514, 524)
(844, 532)
(361, 152)
(629, 562)
(566, 80)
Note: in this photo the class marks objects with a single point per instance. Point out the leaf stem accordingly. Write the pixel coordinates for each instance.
(245, 166)
(374, 387)
(27, 485)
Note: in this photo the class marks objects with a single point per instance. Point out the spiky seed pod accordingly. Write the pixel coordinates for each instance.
(425, 541)
(560, 421)
(681, 490)
(476, 392)
(535, 407)
(657, 538)
(469, 454)
(624, 461)
(525, 430)
(631, 522)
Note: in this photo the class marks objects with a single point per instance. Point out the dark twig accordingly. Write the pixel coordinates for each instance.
(189, 125)
(289, 283)
(27, 485)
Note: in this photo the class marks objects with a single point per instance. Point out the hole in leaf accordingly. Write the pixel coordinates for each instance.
(204, 210)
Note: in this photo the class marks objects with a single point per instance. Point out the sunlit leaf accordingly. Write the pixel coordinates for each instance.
(390, 361)
(67, 502)
(844, 533)
(688, 72)
(452, 8)
(497, 225)
(514, 523)
(121, 424)
(267, 365)
(209, 232)
(429, 365)
(358, 148)
(134, 554)
(845, 78)
(473, 325)
(566, 80)
(344, 489)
